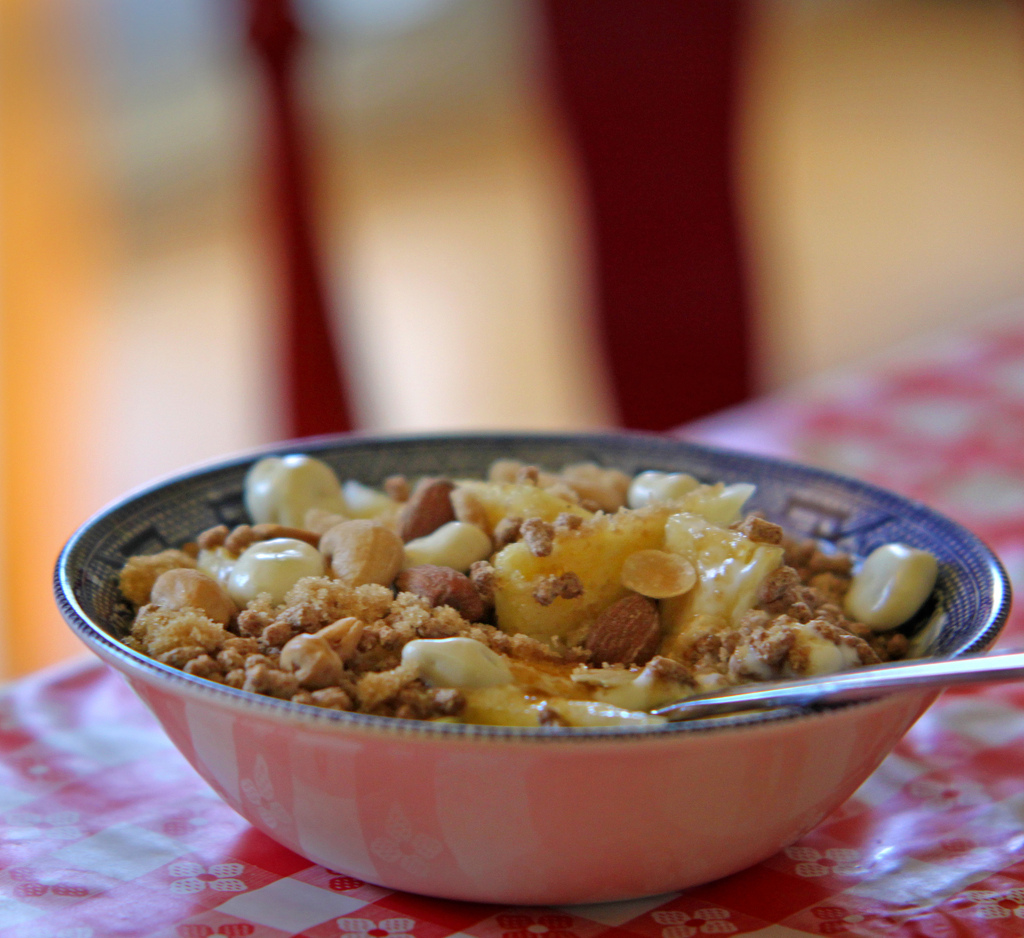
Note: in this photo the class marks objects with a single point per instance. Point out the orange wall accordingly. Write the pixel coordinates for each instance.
(55, 249)
(883, 172)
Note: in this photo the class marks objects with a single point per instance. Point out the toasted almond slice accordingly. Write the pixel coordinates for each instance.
(658, 574)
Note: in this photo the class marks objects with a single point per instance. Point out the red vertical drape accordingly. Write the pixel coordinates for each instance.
(316, 400)
(647, 92)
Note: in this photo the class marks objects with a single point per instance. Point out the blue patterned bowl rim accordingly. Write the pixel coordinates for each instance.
(972, 604)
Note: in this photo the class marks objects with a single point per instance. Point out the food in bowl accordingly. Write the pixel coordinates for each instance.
(575, 598)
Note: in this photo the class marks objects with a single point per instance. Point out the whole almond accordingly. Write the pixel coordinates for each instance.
(627, 632)
(363, 551)
(429, 506)
(443, 586)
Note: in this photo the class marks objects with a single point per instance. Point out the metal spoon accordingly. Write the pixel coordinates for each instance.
(846, 686)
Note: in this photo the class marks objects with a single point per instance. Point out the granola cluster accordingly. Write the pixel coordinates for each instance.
(576, 598)
(247, 653)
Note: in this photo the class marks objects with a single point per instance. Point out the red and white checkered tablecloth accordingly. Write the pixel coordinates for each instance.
(106, 831)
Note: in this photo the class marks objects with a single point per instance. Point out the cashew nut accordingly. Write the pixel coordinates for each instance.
(455, 544)
(343, 636)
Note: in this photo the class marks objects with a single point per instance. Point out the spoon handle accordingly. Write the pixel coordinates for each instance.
(858, 684)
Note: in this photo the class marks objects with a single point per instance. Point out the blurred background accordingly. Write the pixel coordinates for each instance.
(478, 182)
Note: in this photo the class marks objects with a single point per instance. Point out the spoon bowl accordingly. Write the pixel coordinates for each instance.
(848, 686)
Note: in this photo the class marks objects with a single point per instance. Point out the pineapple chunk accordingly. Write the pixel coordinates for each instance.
(515, 500)
(506, 705)
(595, 552)
(718, 503)
(730, 568)
(632, 689)
(509, 706)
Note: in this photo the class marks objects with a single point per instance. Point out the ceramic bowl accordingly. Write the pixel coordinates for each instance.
(530, 816)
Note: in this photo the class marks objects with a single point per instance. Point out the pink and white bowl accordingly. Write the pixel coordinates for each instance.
(530, 816)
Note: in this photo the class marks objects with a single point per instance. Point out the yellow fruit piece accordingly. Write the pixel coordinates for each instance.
(730, 568)
(514, 500)
(509, 706)
(718, 503)
(500, 706)
(595, 552)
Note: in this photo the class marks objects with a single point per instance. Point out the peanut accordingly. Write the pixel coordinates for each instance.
(527, 475)
(481, 575)
(343, 636)
(141, 572)
(183, 587)
(313, 661)
(363, 551)
(333, 698)
(507, 531)
(204, 666)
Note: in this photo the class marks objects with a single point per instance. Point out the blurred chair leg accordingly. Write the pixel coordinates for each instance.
(314, 382)
(647, 92)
